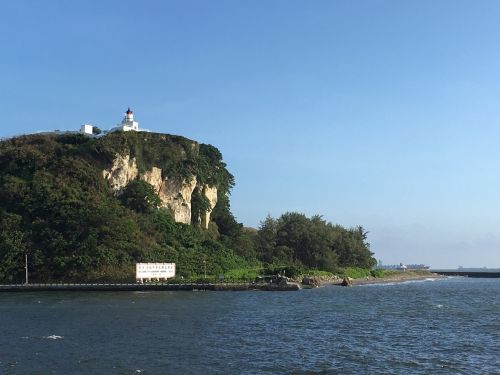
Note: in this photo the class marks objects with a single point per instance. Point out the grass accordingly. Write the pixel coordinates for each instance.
(353, 272)
(241, 275)
(361, 273)
(313, 272)
(237, 275)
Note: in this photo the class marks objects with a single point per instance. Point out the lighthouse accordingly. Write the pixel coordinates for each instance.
(128, 122)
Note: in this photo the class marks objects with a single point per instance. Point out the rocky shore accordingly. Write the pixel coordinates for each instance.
(398, 277)
(392, 277)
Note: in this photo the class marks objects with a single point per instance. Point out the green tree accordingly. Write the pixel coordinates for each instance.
(312, 242)
(13, 246)
(140, 196)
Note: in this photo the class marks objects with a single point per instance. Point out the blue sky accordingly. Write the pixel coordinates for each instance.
(379, 113)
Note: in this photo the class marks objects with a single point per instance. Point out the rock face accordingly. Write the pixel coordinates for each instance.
(154, 178)
(210, 192)
(174, 192)
(121, 172)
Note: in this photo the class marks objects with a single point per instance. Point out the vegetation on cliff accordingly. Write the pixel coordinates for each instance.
(56, 207)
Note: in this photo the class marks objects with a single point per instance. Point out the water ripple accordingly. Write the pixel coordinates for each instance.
(440, 327)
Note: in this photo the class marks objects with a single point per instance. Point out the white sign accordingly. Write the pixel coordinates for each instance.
(159, 271)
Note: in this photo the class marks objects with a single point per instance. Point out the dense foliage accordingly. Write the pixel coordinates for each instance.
(294, 239)
(56, 207)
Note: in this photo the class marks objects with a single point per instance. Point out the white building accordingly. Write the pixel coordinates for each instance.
(157, 271)
(87, 129)
(128, 123)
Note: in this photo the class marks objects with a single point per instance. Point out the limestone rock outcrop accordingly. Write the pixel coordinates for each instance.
(154, 178)
(210, 192)
(123, 170)
(174, 192)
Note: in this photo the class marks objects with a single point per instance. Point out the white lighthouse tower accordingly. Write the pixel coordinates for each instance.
(128, 122)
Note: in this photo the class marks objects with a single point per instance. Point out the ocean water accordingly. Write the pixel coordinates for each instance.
(449, 326)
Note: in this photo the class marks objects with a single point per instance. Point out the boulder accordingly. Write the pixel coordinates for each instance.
(311, 281)
(347, 281)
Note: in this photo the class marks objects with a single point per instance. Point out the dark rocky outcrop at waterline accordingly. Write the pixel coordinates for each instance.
(313, 282)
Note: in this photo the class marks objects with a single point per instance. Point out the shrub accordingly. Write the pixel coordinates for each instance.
(241, 275)
(354, 272)
(288, 270)
(378, 273)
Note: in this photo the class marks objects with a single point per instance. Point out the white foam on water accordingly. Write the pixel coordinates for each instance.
(399, 282)
(413, 281)
(388, 283)
(53, 337)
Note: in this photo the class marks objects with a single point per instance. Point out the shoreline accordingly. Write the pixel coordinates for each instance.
(400, 278)
(397, 277)
(111, 287)
(290, 286)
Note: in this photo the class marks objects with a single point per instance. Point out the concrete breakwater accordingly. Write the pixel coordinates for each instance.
(148, 287)
(484, 274)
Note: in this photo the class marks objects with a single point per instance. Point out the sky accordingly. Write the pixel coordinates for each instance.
(377, 113)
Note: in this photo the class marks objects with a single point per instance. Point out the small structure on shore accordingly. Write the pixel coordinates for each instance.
(154, 271)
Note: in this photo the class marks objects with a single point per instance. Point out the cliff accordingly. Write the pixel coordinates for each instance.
(174, 184)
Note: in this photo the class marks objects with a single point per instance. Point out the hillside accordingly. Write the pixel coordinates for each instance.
(88, 209)
(81, 210)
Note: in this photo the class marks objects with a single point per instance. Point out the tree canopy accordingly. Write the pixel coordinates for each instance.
(313, 243)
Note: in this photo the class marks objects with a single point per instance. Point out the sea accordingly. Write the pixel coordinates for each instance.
(443, 326)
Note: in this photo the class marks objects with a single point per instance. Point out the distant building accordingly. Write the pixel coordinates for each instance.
(402, 266)
(128, 123)
(87, 129)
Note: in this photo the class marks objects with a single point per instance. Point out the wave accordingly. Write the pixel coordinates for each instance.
(388, 283)
(53, 337)
(399, 282)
